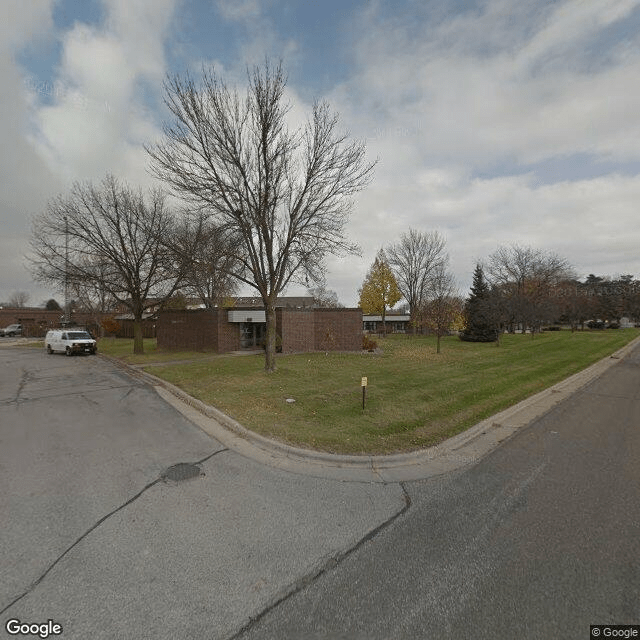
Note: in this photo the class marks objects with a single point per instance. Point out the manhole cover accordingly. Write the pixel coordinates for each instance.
(182, 471)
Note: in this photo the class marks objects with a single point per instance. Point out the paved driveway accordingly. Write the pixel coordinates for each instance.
(93, 539)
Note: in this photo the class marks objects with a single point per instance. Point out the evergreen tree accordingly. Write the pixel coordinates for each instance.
(52, 305)
(479, 325)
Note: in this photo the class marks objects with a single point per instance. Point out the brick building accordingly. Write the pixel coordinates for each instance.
(223, 330)
(36, 321)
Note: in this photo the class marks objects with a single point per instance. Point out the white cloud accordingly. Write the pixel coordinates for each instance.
(261, 39)
(98, 122)
(592, 222)
(92, 119)
(239, 10)
(25, 180)
(142, 26)
(462, 109)
(499, 89)
(22, 22)
(572, 23)
(472, 101)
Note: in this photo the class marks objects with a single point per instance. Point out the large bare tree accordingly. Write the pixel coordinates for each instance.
(112, 239)
(211, 263)
(91, 295)
(414, 260)
(525, 277)
(286, 193)
(323, 297)
(19, 299)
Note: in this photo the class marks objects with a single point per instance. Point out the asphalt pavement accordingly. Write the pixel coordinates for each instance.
(95, 540)
(537, 541)
(526, 526)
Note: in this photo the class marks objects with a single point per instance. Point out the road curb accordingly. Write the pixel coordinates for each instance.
(461, 450)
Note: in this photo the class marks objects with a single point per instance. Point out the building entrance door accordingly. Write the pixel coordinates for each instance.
(252, 335)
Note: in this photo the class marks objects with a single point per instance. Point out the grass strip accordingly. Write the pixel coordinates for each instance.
(415, 398)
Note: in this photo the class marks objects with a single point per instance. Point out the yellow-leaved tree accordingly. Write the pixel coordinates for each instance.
(379, 290)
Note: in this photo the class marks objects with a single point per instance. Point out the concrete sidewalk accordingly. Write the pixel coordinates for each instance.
(462, 450)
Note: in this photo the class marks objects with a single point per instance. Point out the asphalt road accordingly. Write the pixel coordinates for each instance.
(93, 539)
(539, 540)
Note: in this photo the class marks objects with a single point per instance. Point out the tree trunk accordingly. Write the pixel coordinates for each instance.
(138, 344)
(384, 323)
(437, 341)
(270, 338)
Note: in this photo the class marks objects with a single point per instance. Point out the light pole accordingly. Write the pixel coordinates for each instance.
(66, 272)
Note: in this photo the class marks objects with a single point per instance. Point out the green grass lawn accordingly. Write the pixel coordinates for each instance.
(123, 348)
(415, 398)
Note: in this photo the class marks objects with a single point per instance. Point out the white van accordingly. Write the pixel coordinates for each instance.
(69, 341)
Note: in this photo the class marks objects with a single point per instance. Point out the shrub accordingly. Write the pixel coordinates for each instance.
(368, 344)
(110, 325)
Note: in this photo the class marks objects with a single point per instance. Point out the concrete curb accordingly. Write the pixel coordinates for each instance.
(461, 450)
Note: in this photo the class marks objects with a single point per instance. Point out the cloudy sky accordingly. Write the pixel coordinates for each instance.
(494, 122)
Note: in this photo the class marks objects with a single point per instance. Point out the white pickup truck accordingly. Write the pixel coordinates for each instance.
(69, 341)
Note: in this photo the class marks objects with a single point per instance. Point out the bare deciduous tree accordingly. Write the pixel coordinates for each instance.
(287, 194)
(92, 295)
(211, 266)
(112, 239)
(444, 304)
(414, 260)
(323, 297)
(19, 299)
(524, 276)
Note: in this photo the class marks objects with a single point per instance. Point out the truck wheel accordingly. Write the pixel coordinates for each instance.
(68, 352)
(49, 349)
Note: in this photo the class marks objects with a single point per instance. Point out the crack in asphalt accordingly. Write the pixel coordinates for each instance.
(24, 379)
(608, 396)
(102, 520)
(328, 565)
(17, 400)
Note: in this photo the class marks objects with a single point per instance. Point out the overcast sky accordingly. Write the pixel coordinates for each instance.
(494, 122)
